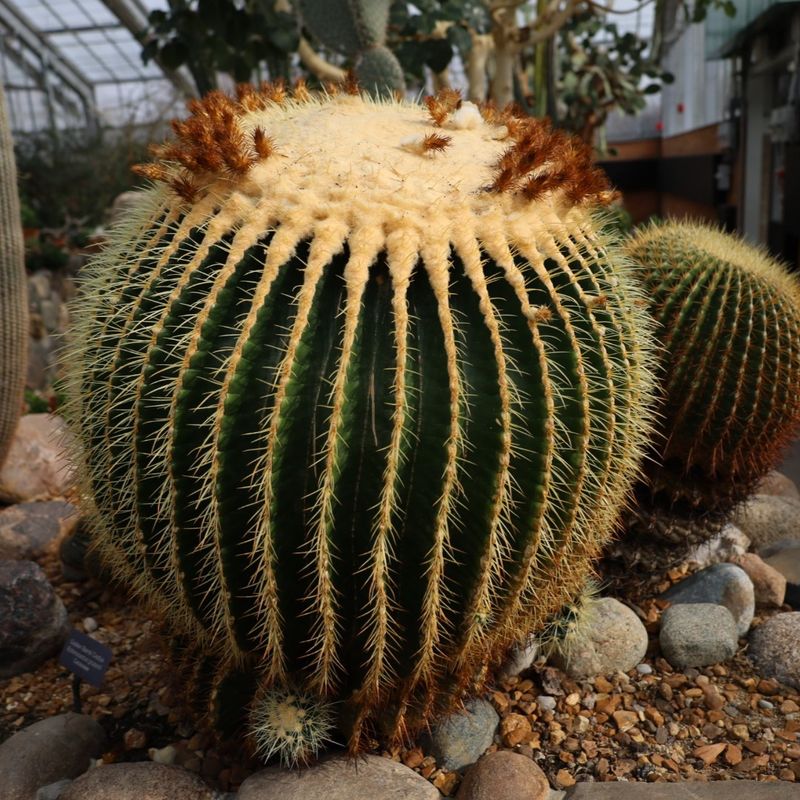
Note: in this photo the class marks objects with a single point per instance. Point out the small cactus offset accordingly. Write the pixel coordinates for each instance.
(729, 324)
(355, 417)
(13, 290)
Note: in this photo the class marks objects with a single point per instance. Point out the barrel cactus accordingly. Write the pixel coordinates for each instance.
(13, 290)
(361, 390)
(729, 324)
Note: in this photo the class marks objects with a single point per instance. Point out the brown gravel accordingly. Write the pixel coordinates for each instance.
(704, 724)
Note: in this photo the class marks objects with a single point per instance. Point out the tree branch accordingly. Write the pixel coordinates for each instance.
(315, 63)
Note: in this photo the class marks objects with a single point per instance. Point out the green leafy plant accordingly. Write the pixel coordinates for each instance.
(360, 390)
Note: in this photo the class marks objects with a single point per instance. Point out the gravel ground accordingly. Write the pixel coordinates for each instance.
(652, 724)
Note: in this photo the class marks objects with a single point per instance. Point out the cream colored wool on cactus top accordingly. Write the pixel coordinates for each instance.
(361, 394)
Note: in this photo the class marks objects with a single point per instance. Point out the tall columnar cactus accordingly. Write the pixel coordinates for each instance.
(361, 391)
(729, 323)
(13, 290)
(357, 28)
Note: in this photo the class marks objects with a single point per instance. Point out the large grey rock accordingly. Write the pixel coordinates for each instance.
(366, 778)
(784, 556)
(697, 634)
(460, 739)
(136, 781)
(36, 466)
(778, 485)
(765, 519)
(723, 546)
(775, 648)
(690, 790)
(504, 775)
(46, 752)
(612, 639)
(27, 528)
(723, 584)
(33, 620)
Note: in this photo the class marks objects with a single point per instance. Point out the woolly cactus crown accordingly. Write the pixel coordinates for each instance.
(361, 393)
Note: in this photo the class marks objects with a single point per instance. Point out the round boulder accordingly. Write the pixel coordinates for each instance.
(611, 639)
(775, 648)
(137, 780)
(339, 778)
(33, 620)
(51, 750)
(722, 584)
(778, 485)
(460, 739)
(504, 774)
(697, 634)
(766, 518)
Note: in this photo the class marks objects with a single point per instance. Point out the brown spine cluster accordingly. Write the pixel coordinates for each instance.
(435, 142)
(210, 142)
(442, 104)
(541, 159)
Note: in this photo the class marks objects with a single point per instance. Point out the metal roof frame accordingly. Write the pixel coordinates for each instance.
(40, 43)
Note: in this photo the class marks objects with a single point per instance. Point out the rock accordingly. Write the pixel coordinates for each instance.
(775, 648)
(504, 775)
(27, 528)
(697, 634)
(768, 584)
(723, 546)
(53, 791)
(723, 584)
(613, 639)
(33, 620)
(338, 778)
(784, 556)
(776, 484)
(48, 751)
(36, 465)
(546, 702)
(460, 739)
(138, 780)
(765, 519)
(694, 790)
(520, 658)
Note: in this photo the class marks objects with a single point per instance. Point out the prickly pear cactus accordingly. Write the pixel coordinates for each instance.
(13, 290)
(357, 28)
(361, 391)
(729, 323)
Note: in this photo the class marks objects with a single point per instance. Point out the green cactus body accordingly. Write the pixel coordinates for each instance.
(13, 290)
(353, 421)
(357, 28)
(729, 322)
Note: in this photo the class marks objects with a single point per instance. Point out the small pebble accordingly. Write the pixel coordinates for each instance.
(546, 703)
(765, 704)
(644, 669)
(90, 624)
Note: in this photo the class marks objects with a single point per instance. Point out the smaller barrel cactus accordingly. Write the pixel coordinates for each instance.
(729, 318)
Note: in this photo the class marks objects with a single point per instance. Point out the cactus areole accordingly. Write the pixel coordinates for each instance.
(360, 392)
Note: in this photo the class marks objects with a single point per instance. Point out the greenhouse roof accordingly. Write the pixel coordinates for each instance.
(73, 62)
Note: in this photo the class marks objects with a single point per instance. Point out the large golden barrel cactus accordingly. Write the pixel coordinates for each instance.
(729, 324)
(13, 290)
(361, 390)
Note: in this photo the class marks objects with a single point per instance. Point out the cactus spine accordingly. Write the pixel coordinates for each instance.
(729, 323)
(354, 420)
(13, 290)
(357, 28)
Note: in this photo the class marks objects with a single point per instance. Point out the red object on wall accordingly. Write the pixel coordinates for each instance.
(680, 108)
